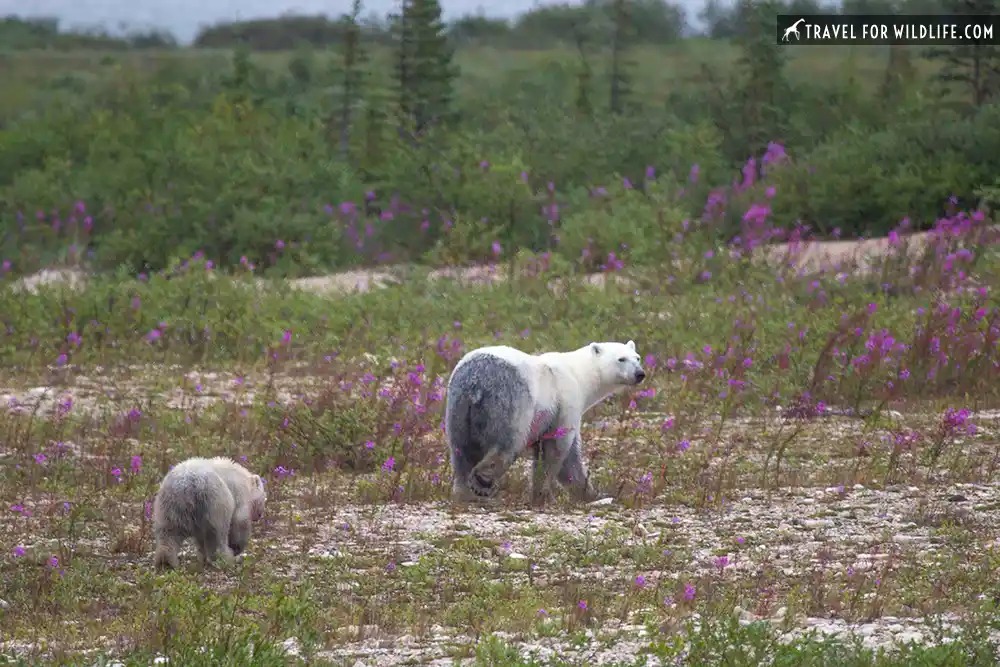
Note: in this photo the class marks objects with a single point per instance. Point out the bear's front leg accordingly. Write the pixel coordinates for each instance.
(549, 458)
(574, 476)
(239, 531)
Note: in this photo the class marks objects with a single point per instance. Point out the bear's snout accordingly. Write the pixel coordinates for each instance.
(640, 376)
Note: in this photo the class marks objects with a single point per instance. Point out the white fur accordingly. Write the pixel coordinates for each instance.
(566, 384)
(578, 379)
(212, 500)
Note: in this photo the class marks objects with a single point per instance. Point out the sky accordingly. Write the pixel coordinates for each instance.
(183, 18)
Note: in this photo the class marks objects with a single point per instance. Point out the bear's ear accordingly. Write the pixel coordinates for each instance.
(596, 348)
(631, 345)
(259, 482)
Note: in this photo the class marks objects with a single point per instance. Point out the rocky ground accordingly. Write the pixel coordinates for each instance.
(857, 255)
(885, 563)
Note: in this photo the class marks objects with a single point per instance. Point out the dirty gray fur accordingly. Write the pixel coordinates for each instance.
(484, 395)
(210, 500)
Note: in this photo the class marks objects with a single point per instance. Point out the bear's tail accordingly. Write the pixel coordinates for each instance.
(466, 450)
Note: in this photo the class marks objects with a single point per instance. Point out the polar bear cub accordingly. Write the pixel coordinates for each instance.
(212, 500)
(503, 402)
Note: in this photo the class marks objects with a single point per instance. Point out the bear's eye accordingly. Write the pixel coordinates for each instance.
(622, 360)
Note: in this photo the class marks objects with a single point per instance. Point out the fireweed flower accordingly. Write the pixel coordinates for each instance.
(18, 551)
(689, 591)
(955, 420)
(582, 604)
(645, 483)
(389, 464)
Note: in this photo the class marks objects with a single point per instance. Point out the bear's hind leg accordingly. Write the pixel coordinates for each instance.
(213, 543)
(484, 477)
(504, 425)
(461, 469)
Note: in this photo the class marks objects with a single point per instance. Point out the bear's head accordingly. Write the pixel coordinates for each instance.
(618, 363)
(258, 496)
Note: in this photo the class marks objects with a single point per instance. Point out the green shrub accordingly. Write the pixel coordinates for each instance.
(865, 181)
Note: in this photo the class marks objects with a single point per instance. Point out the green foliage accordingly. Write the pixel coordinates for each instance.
(868, 180)
(726, 642)
(627, 223)
(239, 155)
(899, 75)
(762, 88)
(44, 33)
(974, 66)
(424, 69)
(353, 57)
(621, 65)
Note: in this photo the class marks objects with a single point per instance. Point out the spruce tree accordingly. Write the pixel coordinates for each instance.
(424, 69)
(975, 65)
(584, 75)
(624, 34)
(899, 73)
(352, 60)
(764, 91)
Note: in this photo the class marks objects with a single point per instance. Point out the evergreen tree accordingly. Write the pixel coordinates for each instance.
(975, 65)
(624, 33)
(899, 73)
(424, 70)
(352, 59)
(764, 91)
(584, 75)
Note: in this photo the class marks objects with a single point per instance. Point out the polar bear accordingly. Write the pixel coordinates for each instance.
(503, 403)
(212, 500)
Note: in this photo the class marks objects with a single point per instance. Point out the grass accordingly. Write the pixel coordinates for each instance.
(749, 524)
(33, 79)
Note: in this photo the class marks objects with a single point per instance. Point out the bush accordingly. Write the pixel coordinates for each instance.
(864, 182)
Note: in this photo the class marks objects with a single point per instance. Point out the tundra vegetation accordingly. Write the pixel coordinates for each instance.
(275, 243)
